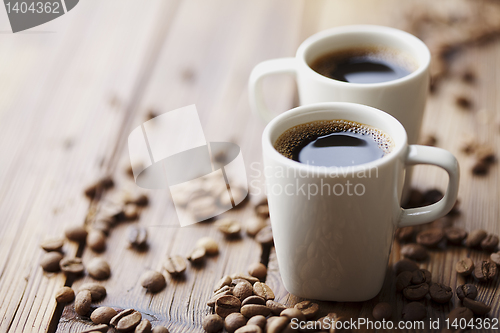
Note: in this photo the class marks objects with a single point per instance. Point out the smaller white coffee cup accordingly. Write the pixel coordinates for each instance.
(333, 239)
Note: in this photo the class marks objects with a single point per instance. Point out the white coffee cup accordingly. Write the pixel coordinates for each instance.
(332, 245)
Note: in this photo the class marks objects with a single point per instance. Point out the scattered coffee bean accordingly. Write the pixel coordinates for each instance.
(265, 236)
(209, 244)
(403, 280)
(414, 251)
(262, 208)
(96, 240)
(101, 328)
(104, 225)
(475, 238)
(130, 212)
(103, 315)
(485, 271)
(226, 290)
(251, 310)
(485, 154)
(459, 313)
(54, 244)
(404, 265)
(440, 293)
(50, 261)
(142, 201)
(489, 244)
(197, 256)
(432, 196)
(65, 295)
(249, 329)
(308, 308)
(128, 322)
(430, 237)
(153, 281)
(137, 237)
(495, 257)
(464, 267)
(72, 266)
(97, 291)
(291, 313)
(143, 327)
(99, 269)
(76, 233)
(480, 168)
(479, 308)
(224, 281)
(98, 187)
(254, 300)
(455, 235)
(254, 225)
(228, 226)
(212, 323)
(243, 289)
(160, 329)
(257, 270)
(175, 265)
(463, 102)
(382, 311)
(249, 278)
(258, 320)
(414, 311)
(263, 290)
(276, 308)
(416, 292)
(466, 290)
(226, 305)
(82, 302)
(234, 321)
(114, 321)
(277, 324)
(405, 234)
(421, 276)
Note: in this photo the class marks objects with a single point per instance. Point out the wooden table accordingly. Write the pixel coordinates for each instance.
(74, 88)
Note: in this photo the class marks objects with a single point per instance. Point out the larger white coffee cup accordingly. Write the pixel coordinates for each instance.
(335, 245)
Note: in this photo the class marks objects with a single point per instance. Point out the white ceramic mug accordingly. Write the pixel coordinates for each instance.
(332, 245)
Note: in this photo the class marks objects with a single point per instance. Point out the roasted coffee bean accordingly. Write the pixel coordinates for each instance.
(414, 251)
(130, 212)
(265, 236)
(432, 196)
(54, 244)
(405, 234)
(485, 271)
(96, 240)
(414, 311)
(475, 238)
(209, 244)
(495, 257)
(175, 265)
(128, 322)
(243, 289)
(222, 292)
(104, 225)
(97, 291)
(101, 328)
(251, 310)
(99, 269)
(249, 278)
(308, 308)
(276, 308)
(50, 261)
(114, 321)
(234, 321)
(226, 305)
(95, 189)
(249, 329)
(72, 266)
(382, 311)
(254, 300)
(263, 290)
(137, 237)
(141, 201)
(262, 208)
(489, 244)
(403, 280)
(212, 323)
(455, 235)
(103, 315)
(65, 295)
(143, 327)
(404, 265)
(153, 281)
(291, 313)
(459, 313)
(258, 320)
(430, 237)
(197, 256)
(421, 276)
(440, 293)
(82, 302)
(480, 168)
(228, 226)
(416, 292)
(479, 308)
(160, 329)
(464, 267)
(326, 322)
(76, 233)
(254, 225)
(466, 290)
(224, 281)
(277, 324)
(257, 270)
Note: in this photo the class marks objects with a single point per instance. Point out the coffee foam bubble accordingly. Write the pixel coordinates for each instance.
(295, 136)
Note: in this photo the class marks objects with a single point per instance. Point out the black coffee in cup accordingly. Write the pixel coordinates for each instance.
(338, 143)
(364, 65)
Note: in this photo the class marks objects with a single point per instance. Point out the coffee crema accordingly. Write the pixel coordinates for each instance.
(364, 65)
(334, 143)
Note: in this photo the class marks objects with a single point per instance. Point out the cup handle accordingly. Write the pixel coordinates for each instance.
(442, 158)
(268, 67)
